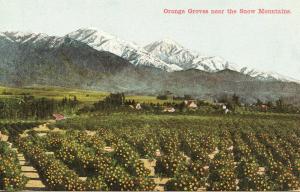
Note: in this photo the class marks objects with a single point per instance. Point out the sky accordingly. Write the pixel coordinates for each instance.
(264, 42)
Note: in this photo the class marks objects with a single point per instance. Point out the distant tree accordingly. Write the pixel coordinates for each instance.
(187, 97)
(181, 106)
(270, 104)
(279, 105)
(236, 100)
(114, 100)
(259, 102)
(133, 102)
(162, 97)
(123, 97)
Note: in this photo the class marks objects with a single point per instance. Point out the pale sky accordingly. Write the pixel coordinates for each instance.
(264, 42)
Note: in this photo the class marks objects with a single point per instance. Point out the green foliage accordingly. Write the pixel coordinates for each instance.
(11, 178)
(29, 107)
(162, 97)
(113, 101)
(244, 143)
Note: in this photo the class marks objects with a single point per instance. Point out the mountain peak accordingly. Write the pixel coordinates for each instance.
(87, 29)
(22, 37)
(135, 54)
(5, 36)
(37, 39)
(84, 33)
(164, 44)
(170, 42)
(18, 33)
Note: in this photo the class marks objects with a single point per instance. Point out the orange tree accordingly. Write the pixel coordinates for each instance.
(10, 169)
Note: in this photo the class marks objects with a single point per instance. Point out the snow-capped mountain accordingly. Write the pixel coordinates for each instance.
(272, 76)
(2, 35)
(28, 59)
(38, 39)
(166, 54)
(36, 59)
(103, 41)
(171, 52)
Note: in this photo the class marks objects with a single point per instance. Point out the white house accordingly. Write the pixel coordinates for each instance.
(191, 104)
(138, 106)
(169, 109)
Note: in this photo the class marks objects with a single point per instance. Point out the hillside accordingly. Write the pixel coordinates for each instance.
(56, 62)
(41, 60)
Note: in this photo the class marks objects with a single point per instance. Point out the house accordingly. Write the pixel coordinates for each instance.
(264, 108)
(191, 104)
(169, 109)
(58, 116)
(138, 106)
(223, 105)
(227, 111)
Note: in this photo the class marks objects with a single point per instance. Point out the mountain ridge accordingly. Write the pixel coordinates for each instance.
(169, 56)
(100, 41)
(172, 52)
(38, 59)
(165, 54)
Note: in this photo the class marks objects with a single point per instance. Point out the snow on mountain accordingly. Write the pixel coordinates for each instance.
(103, 41)
(166, 54)
(33, 38)
(171, 52)
(20, 37)
(273, 76)
(4, 36)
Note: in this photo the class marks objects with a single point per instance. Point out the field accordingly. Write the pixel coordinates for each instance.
(58, 93)
(137, 151)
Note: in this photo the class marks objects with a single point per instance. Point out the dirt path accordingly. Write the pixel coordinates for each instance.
(43, 130)
(35, 183)
(149, 165)
(160, 182)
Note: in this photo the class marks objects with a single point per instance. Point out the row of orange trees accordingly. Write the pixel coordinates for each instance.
(80, 155)
(10, 169)
(248, 155)
(225, 154)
